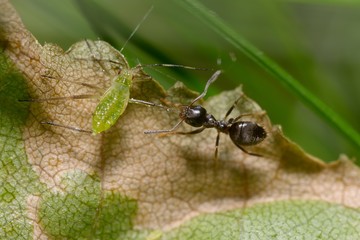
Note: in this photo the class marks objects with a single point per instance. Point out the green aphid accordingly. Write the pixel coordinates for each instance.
(113, 103)
(115, 99)
(96, 56)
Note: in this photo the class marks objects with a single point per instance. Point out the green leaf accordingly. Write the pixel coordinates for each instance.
(280, 220)
(92, 213)
(19, 183)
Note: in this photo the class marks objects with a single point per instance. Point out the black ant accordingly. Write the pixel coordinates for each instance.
(242, 133)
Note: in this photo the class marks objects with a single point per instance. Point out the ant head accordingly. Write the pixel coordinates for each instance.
(193, 115)
(196, 115)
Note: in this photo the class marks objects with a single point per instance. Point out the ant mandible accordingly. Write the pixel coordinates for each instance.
(242, 133)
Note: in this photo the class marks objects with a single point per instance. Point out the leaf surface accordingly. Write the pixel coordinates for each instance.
(58, 183)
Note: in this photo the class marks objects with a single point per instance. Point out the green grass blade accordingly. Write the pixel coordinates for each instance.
(220, 27)
(327, 2)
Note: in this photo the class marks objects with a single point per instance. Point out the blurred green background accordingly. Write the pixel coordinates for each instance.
(317, 42)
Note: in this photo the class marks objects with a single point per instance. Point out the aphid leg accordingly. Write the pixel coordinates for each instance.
(150, 104)
(170, 104)
(83, 96)
(99, 89)
(67, 127)
(94, 58)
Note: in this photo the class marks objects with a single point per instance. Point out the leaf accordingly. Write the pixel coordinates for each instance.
(63, 184)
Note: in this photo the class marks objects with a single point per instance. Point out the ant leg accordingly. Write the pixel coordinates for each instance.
(217, 146)
(233, 106)
(249, 114)
(198, 130)
(241, 115)
(171, 131)
(67, 127)
(245, 151)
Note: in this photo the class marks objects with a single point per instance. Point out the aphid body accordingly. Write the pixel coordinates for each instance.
(113, 102)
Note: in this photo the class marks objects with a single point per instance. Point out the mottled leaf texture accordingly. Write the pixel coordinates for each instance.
(58, 183)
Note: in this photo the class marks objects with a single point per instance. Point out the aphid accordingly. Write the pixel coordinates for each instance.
(242, 133)
(114, 100)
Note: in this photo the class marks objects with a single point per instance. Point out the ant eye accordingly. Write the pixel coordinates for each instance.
(246, 133)
(194, 116)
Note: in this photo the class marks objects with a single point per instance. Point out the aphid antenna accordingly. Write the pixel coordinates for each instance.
(74, 82)
(173, 66)
(137, 27)
(155, 64)
(150, 104)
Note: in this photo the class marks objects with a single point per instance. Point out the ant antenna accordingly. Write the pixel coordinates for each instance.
(137, 27)
(210, 81)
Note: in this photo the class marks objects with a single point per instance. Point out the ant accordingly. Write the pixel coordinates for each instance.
(242, 133)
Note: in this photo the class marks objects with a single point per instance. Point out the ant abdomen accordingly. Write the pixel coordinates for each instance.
(246, 133)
